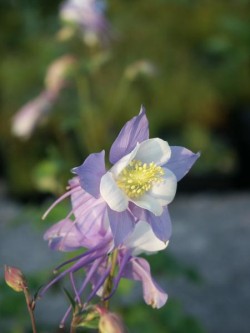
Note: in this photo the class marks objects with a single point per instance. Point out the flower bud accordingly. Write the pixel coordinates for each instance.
(111, 323)
(14, 278)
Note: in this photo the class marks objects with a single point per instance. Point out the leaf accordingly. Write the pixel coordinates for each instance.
(70, 298)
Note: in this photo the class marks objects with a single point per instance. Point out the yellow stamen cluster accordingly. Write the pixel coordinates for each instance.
(138, 178)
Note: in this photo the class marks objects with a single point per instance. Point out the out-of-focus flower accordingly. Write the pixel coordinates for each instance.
(31, 114)
(88, 15)
(140, 67)
(26, 119)
(142, 181)
(14, 278)
(58, 73)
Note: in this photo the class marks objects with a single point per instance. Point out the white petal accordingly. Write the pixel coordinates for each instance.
(153, 150)
(112, 194)
(144, 240)
(165, 192)
(147, 201)
(123, 162)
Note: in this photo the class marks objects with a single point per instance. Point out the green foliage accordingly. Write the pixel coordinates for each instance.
(170, 319)
(166, 265)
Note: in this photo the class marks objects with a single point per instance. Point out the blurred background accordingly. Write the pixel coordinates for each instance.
(69, 81)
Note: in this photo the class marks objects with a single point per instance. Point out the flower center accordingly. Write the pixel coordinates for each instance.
(138, 178)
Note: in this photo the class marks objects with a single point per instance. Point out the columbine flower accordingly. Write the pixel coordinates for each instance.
(120, 213)
(142, 181)
(96, 260)
(89, 16)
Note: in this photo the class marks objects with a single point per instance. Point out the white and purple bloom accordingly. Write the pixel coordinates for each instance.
(123, 210)
(140, 184)
(88, 15)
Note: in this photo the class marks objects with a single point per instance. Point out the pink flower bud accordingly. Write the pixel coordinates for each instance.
(111, 323)
(14, 278)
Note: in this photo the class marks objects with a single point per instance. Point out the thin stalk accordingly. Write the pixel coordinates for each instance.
(73, 324)
(30, 307)
(72, 328)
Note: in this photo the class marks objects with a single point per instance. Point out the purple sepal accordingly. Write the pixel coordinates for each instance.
(64, 236)
(161, 225)
(134, 131)
(121, 224)
(181, 161)
(91, 222)
(91, 172)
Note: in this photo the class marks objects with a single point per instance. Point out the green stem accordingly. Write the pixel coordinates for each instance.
(113, 264)
(30, 309)
(72, 329)
(73, 324)
(109, 281)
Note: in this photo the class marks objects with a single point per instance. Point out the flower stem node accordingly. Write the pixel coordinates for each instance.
(88, 317)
